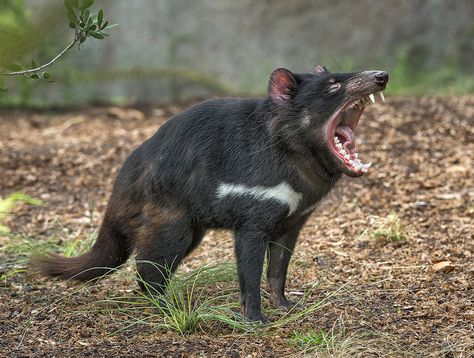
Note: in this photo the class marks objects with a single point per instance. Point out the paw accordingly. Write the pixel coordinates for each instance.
(284, 303)
(258, 318)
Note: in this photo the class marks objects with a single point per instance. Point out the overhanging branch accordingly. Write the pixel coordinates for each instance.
(42, 67)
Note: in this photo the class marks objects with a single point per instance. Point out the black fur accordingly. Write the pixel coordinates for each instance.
(165, 195)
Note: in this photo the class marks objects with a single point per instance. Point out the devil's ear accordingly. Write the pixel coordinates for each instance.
(318, 69)
(282, 85)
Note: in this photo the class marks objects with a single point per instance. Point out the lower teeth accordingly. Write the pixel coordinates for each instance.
(353, 158)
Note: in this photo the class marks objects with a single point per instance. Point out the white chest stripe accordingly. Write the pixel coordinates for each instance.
(283, 193)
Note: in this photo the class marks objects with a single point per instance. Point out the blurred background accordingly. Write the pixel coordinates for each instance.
(168, 51)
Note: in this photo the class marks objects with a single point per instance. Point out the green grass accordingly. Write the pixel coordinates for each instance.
(316, 340)
(79, 245)
(337, 343)
(7, 204)
(201, 300)
(19, 248)
(193, 301)
(389, 228)
(410, 76)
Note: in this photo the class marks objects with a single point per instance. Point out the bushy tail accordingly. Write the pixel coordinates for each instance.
(109, 251)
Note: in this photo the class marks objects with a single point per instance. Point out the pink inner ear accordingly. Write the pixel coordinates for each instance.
(282, 84)
(320, 69)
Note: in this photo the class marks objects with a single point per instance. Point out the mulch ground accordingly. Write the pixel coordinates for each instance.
(391, 298)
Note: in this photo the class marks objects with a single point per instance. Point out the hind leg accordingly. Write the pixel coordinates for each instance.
(161, 245)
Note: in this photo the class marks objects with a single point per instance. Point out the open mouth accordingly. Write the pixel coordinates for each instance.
(341, 132)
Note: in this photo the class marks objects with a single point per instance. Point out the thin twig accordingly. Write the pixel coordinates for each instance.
(42, 67)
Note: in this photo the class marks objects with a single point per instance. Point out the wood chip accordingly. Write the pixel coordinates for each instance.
(444, 266)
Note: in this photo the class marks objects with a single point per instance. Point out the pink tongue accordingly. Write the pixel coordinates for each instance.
(348, 134)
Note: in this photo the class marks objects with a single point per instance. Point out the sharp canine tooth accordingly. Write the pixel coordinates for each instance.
(372, 97)
(381, 96)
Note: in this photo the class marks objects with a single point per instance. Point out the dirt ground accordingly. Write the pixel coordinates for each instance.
(412, 297)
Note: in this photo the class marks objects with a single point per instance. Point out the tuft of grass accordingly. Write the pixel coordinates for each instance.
(389, 228)
(7, 204)
(17, 252)
(198, 301)
(316, 340)
(189, 304)
(19, 249)
(24, 246)
(337, 343)
(79, 245)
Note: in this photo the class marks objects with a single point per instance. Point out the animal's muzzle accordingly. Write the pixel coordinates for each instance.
(380, 78)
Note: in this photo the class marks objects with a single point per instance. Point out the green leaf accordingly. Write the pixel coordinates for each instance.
(68, 6)
(72, 25)
(86, 16)
(86, 4)
(100, 17)
(97, 35)
(104, 25)
(46, 76)
(13, 67)
(111, 26)
(71, 14)
(34, 76)
(33, 64)
(71, 17)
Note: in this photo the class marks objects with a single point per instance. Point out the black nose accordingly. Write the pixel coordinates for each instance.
(381, 78)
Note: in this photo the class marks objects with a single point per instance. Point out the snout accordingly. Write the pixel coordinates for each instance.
(380, 78)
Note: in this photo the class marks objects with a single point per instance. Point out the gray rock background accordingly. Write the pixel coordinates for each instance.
(176, 49)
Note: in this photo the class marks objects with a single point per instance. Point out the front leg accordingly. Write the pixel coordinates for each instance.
(279, 255)
(250, 249)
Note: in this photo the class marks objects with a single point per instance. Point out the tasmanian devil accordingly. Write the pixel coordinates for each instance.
(254, 166)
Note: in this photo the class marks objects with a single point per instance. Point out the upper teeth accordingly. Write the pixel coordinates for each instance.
(381, 96)
(372, 97)
(359, 103)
